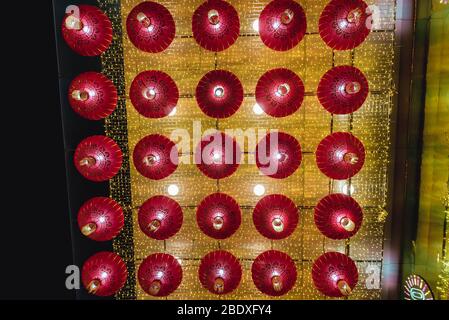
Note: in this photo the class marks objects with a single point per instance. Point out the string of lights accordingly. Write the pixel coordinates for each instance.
(116, 127)
(443, 277)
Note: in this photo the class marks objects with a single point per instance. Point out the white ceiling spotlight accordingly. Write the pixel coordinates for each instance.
(348, 189)
(259, 190)
(256, 25)
(173, 190)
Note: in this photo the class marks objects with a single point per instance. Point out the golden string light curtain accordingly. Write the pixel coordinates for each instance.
(186, 62)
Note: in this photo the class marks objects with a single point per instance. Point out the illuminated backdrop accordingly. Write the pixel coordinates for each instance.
(186, 62)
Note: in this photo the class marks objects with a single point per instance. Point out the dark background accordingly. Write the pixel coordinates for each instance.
(35, 236)
(40, 235)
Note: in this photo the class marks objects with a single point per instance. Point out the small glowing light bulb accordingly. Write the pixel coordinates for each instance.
(287, 16)
(213, 17)
(259, 190)
(173, 190)
(144, 20)
(80, 95)
(352, 87)
(283, 90)
(219, 91)
(149, 94)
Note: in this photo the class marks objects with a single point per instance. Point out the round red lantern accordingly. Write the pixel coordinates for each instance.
(159, 274)
(345, 24)
(218, 156)
(338, 216)
(219, 94)
(340, 156)
(154, 94)
(274, 273)
(100, 219)
(104, 274)
(155, 157)
(160, 217)
(215, 25)
(98, 158)
(335, 274)
(87, 30)
(220, 272)
(278, 155)
(92, 95)
(282, 24)
(150, 27)
(219, 216)
(276, 217)
(343, 90)
(280, 92)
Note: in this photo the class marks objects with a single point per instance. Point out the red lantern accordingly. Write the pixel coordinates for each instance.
(340, 156)
(219, 216)
(219, 94)
(274, 273)
(155, 157)
(150, 27)
(343, 90)
(92, 95)
(160, 274)
(335, 274)
(154, 94)
(345, 24)
(160, 217)
(282, 24)
(87, 30)
(338, 216)
(220, 272)
(98, 158)
(278, 155)
(100, 219)
(215, 25)
(104, 274)
(218, 156)
(280, 92)
(276, 217)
